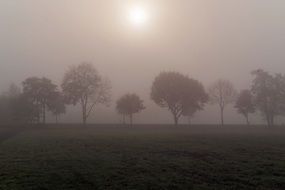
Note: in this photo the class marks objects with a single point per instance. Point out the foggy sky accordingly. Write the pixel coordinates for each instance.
(204, 39)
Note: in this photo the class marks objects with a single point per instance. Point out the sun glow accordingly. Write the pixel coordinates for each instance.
(138, 15)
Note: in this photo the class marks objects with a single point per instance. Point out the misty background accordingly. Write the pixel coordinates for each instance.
(205, 39)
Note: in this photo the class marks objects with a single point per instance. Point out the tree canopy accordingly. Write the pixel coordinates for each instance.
(244, 104)
(82, 84)
(178, 93)
(39, 92)
(269, 94)
(130, 104)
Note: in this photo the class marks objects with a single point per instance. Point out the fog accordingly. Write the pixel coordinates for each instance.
(206, 40)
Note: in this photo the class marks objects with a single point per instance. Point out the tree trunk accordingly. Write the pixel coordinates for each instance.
(222, 116)
(44, 113)
(268, 119)
(175, 120)
(189, 120)
(124, 119)
(56, 118)
(247, 120)
(272, 120)
(84, 116)
(131, 119)
(37, 119)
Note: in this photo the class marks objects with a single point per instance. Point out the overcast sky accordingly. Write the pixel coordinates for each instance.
(205, 39)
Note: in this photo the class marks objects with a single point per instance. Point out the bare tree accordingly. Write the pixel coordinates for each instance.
(82, 84)
(178, 93)
(245, 104)
(129, 104)
(222, 92)
(57, 105)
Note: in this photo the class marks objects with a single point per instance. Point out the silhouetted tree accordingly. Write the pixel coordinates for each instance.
(25, 110)
(17, 108)
(13, 91)
(57, 105)
(7, 102)
(39, 92)
(222, 92)
(82, 84)
(189, 112)
(269, 93)
(245, 104)
(178, 93)
(4, 109)
(130, 104)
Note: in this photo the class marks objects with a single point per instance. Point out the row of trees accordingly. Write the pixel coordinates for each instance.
(81, 85)
(180, 94)
(30, 105)
(185, 96)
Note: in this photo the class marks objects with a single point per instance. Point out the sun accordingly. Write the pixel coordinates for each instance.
(138, 15)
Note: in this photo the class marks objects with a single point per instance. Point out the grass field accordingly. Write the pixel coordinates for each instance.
(141, 157)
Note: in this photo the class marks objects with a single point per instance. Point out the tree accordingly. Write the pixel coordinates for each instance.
(269, 93)
(190, 112)
(82, 84)
(17, 108)
(25, 110)
(5, 109)
(13, 91)
(39, 92)
(130, 104)
(178, 93)
(222, 92)
(245, 104)
(57, 105)
(7, 104)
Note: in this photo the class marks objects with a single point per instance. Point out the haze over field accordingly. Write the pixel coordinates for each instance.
(205, 39)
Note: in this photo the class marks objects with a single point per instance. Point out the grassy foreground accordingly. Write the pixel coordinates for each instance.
(142, 157)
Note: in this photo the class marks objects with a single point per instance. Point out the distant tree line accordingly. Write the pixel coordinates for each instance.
(181, 95)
